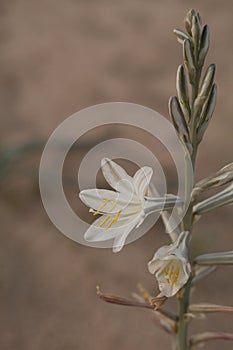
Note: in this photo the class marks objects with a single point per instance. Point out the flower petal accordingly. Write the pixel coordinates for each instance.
(142, 179)
(117, 177)
(119, 240)
(177, 248)
(155, 265)
(170, 266)
(170, 286)
(110, 202)
(99, 230)
(94, 198)
(161, 254)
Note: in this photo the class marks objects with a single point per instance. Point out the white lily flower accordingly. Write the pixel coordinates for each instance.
(171, 267)
(124, 209)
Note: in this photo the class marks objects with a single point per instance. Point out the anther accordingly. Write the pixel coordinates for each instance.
(105, 202)
(105, 220)
(113, 220)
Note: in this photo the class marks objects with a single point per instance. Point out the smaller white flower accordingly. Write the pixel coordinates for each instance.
(124, 209)
(171, 267)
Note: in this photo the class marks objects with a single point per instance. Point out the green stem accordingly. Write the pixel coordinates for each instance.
(182, 325)
(182, 334)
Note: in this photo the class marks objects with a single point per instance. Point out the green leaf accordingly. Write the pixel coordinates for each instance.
(220, 178)
(206, 336)
(205, 89)
(204, 45)
(221, 199)
(188, 21)
(206, 113)
(182, 91)
(189, 60)
(196, 29)
(221, 258)
(181, 36)
(201, 273)
(209, 308)
(178, 118)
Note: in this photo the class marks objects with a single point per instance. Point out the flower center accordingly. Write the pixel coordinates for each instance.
(105, 202)
(171, 274)
(108, 217)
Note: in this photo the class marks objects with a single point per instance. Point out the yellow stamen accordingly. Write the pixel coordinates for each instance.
(113, 207)
(105, 202)
(113, 220)
(171, 272)
(105, 220)
(166, 273)
(177, 273)
(171, 275)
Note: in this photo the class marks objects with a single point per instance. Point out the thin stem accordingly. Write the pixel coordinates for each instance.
(200, 101)
(182, 329)
(181, 339)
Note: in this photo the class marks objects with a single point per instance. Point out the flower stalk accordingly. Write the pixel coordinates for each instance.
(195, 46)
(123, 210)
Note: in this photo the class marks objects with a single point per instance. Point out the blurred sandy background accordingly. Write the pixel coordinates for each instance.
(57, 57)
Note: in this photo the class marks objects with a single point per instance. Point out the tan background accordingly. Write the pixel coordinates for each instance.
(58, 57)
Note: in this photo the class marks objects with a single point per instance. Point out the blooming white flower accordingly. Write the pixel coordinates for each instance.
(171, 267)
(124, 209)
